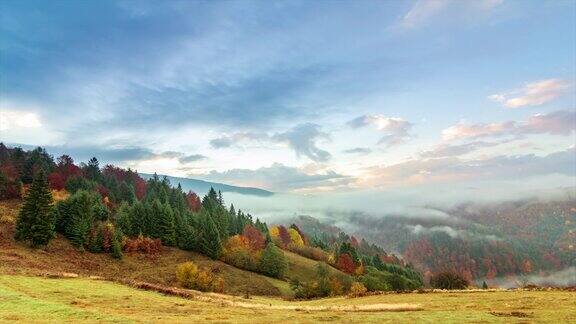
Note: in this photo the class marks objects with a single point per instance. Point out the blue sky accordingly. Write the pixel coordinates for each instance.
(299, 96)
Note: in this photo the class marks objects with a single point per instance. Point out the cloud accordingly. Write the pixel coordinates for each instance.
(358, 150)
(562, 122)
(230, 140)
(424, 10)
(302, 139)
(10, 119)
(279, 178)
(396, 129)
(533, 94)
(446, 150)
(451, 169)
(192, 158)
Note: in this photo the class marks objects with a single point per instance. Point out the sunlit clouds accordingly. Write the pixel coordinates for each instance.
(533, 94)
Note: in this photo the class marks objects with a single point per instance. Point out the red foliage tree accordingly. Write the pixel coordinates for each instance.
(56, 180)
(284, 235)
(193, 201)
(345, 263)
(256, 240)
(65, 168)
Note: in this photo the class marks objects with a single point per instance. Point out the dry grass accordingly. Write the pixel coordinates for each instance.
(32, 299)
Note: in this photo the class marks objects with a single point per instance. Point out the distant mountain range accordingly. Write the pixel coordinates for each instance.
(201, 187)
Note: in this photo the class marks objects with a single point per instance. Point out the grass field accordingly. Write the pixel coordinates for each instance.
(24, 298)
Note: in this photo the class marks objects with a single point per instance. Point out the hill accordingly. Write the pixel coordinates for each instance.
(201, 187)
(61, 257)
(33, 299)
(480, 241)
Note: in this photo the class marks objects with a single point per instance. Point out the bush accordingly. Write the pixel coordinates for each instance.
(143, 244)
(358, 289)
(186, 274)
(190, 277)
(448, 280)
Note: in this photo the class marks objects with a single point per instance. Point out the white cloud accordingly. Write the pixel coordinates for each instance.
(11, 119)
(533, 94)
(396, 129)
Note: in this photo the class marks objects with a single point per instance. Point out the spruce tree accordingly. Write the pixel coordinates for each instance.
(165, 225)
(36, 221)
(210, 243)
(124, 220)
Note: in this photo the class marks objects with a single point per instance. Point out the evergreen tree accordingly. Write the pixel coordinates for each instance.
(117, 245)
(484, 285)
(273, 263)
(82, 215)
(92, 170)
(210, 243)
(36, 221)
(124, 220)
(165, 226)
(126, 193)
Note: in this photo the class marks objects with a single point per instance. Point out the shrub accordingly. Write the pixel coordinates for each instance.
(190, 277)
(448, 280)
(143, 244)
(186, 274)
(358, 289)
(238, 253)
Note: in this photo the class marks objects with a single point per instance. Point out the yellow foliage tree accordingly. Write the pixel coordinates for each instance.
(295, 237)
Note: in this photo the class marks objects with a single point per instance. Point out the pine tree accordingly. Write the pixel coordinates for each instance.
(210, 243)
(36, 221)
(92, 170)
(484, 285)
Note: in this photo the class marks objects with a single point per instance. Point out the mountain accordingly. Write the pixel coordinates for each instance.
(201, 187)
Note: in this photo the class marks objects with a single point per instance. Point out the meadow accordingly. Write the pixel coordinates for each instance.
(40, 299)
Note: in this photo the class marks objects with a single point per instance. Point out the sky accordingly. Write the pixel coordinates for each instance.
(437, 98)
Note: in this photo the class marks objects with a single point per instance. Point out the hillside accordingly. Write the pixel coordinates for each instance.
(33, 299)
(481, 241)
(61, 257)
(201, 187)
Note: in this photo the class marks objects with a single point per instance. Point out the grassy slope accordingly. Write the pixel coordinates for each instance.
(73, 300)
(304, 269)
(60, 256)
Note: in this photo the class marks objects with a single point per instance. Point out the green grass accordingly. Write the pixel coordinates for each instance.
(304, 269)
(36, 299)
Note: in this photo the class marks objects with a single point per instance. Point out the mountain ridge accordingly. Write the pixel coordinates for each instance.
(201, 187)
